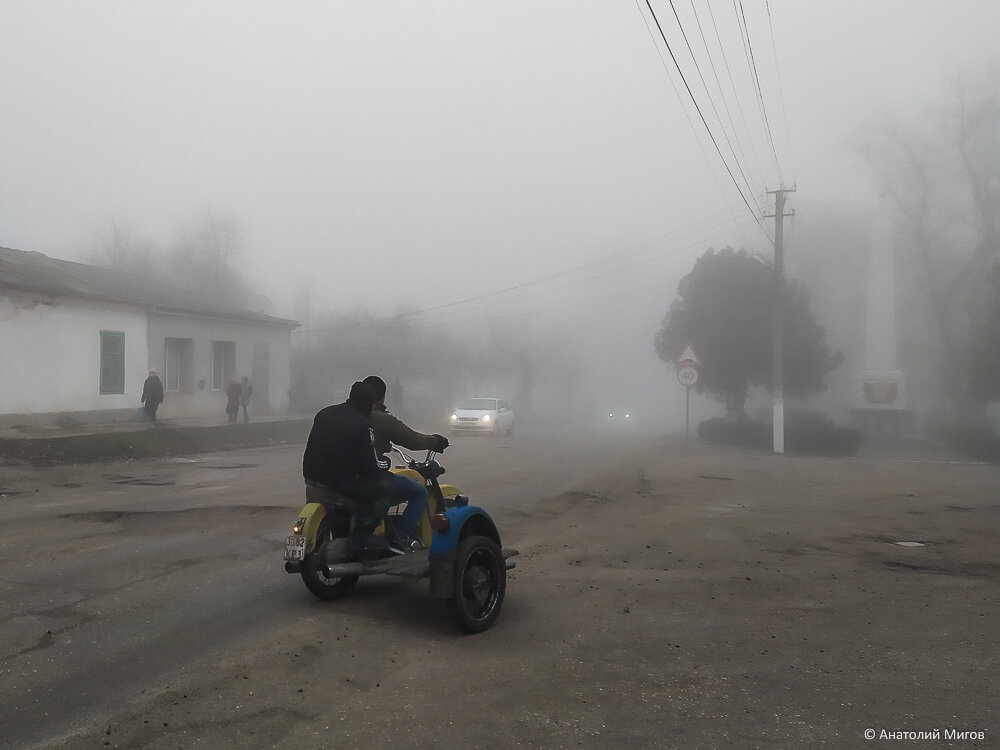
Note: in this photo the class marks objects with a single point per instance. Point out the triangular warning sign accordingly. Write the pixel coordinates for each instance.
(689, 356)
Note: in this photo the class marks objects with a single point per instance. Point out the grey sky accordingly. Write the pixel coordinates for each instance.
(466, 147)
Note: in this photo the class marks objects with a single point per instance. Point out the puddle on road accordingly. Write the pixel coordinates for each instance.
(226, 466)
(144, 482)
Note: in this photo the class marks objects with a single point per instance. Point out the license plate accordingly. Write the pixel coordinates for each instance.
(295, 547)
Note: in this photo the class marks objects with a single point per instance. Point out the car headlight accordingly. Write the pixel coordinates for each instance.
(486, 417)
(454, 417)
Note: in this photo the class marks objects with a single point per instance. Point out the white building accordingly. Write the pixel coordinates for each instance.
(78, 341)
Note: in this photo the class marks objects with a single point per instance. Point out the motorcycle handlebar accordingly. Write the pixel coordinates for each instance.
(421, 467)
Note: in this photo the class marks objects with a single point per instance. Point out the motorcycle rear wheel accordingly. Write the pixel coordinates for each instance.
(315, 575)
(480, 583)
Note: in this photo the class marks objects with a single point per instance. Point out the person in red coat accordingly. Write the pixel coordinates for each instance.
(233, 399)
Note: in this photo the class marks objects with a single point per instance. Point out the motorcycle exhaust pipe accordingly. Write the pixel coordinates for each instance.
(339, 570)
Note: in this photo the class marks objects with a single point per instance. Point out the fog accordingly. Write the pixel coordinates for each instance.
(532, 166)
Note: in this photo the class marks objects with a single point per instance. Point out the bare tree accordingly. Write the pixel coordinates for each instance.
(118, 247)
(944, 177)
(205, 256)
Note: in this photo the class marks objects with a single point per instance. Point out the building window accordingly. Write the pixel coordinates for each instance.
(112, 362)
(178, 356)
(223, 363)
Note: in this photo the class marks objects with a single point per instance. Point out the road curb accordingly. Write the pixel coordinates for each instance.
(151, 442)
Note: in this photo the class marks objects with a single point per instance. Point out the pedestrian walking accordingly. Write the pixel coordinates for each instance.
(233, 399)
(246, 393)
(152, 395)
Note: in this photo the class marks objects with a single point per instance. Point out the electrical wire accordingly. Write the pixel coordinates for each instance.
(777, 73)
(681, 235)
(751, 61)
(704, 121)
(525, 287)
(711, 101)
(677, 93)
(675, 236)
(732, 83)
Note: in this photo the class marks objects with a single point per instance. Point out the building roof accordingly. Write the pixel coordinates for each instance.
(35, 272)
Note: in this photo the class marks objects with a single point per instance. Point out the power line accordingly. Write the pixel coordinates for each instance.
(748, 49)
(732, 83)
(590, 302)
(777, 73)
(675, 236)
(677, 93)
(704, 122)
(711, 101)
(718, 84)
(630, 252)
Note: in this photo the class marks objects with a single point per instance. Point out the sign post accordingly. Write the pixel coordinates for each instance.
(687, 375)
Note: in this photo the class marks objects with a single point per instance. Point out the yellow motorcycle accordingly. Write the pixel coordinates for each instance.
(460, 553)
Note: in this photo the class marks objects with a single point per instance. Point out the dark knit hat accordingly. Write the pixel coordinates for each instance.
(362, 397)
(378, 384)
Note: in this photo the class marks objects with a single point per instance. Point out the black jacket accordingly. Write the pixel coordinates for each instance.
(340, 452)
(152, 390)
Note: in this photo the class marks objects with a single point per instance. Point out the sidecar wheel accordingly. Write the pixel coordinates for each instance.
(480, 583)
(315, 577)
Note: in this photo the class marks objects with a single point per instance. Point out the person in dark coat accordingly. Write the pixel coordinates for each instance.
(340, 458)
(152, 395)
(390, 430)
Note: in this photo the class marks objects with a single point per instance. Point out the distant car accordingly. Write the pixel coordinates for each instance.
(620, 419)
(491, 415)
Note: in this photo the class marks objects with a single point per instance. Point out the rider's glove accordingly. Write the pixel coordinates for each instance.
(441, 444)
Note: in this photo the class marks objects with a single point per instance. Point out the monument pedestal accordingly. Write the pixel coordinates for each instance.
(880, 411)
(883, 424)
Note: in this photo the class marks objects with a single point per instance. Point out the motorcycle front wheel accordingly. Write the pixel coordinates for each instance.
(480, 583)
(315, 574)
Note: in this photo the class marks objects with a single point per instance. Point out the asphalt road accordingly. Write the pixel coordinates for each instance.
(666, 595)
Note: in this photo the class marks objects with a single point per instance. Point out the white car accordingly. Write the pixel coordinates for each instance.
(620, 420)
(491, 415)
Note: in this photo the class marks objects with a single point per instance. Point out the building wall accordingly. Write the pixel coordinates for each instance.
(50, 359)
(259, 351)
(50, 354)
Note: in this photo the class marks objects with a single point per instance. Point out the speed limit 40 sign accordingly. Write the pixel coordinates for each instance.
(687, 375)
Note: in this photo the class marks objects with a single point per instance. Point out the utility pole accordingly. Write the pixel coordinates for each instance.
(778, 352)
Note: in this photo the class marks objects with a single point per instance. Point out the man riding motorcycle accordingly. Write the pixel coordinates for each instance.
(390, 430)
(340, 459)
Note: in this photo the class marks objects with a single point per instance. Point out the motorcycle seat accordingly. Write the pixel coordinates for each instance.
(330, 498)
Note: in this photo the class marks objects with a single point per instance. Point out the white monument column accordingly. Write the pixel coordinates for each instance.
(880, 403)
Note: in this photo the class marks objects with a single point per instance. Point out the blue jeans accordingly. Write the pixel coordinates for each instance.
(414, 494)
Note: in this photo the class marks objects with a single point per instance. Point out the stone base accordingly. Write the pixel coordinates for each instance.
(889, 424)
